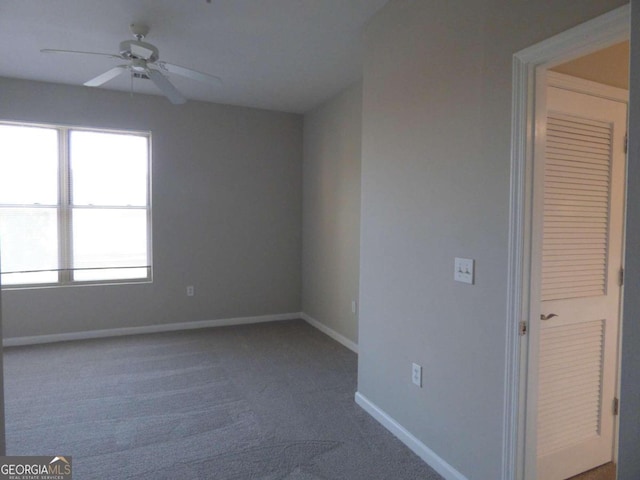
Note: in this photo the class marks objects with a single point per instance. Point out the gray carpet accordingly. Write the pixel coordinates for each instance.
(264, 402)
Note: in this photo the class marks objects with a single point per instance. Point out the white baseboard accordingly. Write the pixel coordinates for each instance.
(338, 337)
(172, 327)
(168, 327)
(419, 448)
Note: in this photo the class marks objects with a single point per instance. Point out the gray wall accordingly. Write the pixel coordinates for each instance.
(226, 212)
(435, 185)
(629, 461)
(3, 449)
(331, 212)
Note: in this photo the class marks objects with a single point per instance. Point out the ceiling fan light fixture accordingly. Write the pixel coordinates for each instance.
(140, 76)
(138, 65)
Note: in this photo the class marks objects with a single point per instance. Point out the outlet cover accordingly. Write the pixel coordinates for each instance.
(416, 374)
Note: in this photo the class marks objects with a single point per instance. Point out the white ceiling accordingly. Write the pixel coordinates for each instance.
(287, 55)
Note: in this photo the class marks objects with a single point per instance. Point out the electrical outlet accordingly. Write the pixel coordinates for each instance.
(416, 375)
(190, 291)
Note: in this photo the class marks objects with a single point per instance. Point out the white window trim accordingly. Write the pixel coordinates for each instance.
(64, 208)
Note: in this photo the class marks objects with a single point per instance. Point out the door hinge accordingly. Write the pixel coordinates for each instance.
(616, 406)
(621, 277)
(523, 328)
(626, 142)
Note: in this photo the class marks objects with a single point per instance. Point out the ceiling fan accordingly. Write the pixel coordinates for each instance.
(140, 57)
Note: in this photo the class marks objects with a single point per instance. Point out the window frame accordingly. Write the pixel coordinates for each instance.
(65, 207)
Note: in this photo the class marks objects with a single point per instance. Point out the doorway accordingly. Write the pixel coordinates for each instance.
(525, 286)
(576, 288)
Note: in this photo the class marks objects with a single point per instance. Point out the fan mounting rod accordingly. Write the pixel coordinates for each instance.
(139, 30)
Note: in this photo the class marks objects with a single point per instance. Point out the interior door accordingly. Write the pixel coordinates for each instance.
(580, 282)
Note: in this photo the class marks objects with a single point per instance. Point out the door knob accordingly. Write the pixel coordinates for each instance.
(547, 317)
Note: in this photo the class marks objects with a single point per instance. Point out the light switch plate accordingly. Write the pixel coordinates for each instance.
(464, 270)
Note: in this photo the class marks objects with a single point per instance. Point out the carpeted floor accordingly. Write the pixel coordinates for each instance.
(264, 402)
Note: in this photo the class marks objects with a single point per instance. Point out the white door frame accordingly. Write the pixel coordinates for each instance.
(595, 34)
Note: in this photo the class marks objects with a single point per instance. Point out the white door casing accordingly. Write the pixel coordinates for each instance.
(519, 437)
(576, 257)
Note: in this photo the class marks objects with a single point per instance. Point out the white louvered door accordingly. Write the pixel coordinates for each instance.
(581, 259)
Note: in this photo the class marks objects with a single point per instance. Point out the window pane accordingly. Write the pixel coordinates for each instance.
(109, 238)
(108, 169)
(28, 165)
(111, 274)
(28, 241)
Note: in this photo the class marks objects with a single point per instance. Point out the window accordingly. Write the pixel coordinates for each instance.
(74, 205)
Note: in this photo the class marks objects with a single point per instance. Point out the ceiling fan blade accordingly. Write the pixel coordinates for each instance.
(166, 87)
(51, 50)
(106, 76)
(192, 74)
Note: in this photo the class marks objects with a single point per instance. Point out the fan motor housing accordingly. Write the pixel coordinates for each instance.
(135, 49)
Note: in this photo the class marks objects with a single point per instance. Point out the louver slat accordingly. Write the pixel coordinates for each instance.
(576, 207)
(571, 356)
